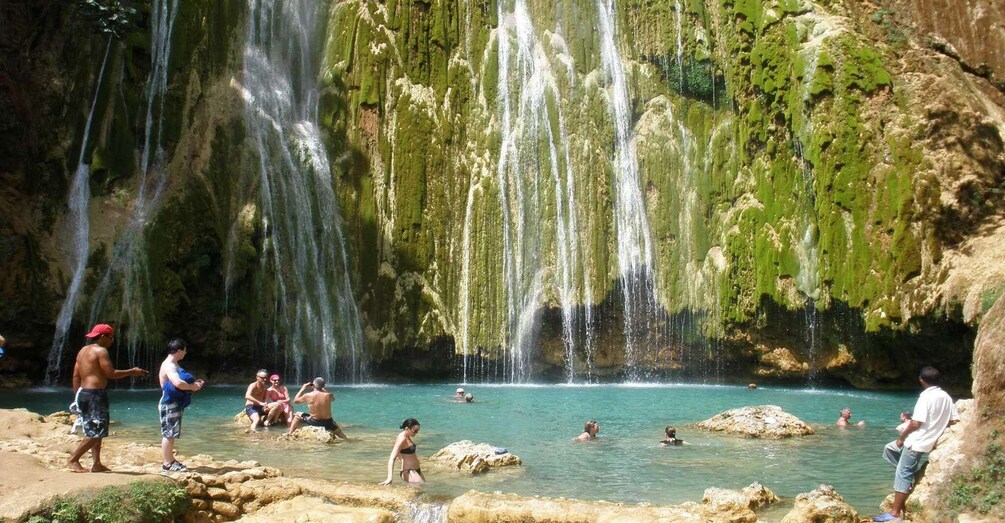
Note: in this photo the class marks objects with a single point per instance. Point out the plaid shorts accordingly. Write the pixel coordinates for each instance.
(170, 414)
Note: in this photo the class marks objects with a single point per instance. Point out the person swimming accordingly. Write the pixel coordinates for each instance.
(671, 438)
(590, 431)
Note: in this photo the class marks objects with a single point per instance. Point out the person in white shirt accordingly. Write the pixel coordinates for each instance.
(933, 412)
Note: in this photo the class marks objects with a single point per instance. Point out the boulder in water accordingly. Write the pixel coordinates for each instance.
(821, 504)
(763, 421)
(308, 433)
(473, 458)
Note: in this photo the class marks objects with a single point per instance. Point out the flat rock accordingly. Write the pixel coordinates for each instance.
(313, 434)
(473, 458)
(763, 421)
(822, 504)
(306, 508)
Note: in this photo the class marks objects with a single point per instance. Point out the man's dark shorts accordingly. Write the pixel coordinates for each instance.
(93, 405)
(254, 409)
(328, 424)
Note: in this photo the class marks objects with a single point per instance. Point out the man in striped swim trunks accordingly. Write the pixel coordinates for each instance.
(177, 386)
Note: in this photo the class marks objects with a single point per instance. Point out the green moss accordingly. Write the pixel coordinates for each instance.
(141, 502)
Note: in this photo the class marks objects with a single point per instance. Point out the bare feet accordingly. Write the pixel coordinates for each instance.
(98, 467)
(75, 466)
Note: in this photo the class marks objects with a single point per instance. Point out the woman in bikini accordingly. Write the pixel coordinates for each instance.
(404, 448)
(278, 407)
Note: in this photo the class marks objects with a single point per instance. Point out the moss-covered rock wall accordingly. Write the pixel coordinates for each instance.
(817, 179)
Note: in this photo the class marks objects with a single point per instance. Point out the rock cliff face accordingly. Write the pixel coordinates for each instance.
(508, 190)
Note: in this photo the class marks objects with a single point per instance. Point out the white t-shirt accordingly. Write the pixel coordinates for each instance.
(934, 410)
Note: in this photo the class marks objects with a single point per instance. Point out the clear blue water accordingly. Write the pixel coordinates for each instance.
(537, 423)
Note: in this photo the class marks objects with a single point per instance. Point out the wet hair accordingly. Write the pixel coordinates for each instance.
(319, 383)
(176, 345)
(930, 375)
(469, 397)
(906, 414)
(409, 423)
(670, 432)
(589, 424)
(846, 409)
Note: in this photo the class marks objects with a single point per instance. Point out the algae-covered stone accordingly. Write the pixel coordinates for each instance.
(764, 421)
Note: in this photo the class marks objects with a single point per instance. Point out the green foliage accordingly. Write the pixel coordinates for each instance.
(692, 78)
(143, 502)
(980, 490)
(111, 17)
(989, 297)
(886, 18)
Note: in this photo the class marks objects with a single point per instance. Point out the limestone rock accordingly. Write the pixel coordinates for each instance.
(304, 508)
(823, 505)
(473, 458)
(781, 362)
(764, 421)
(61, 418)
(719, 506)
(313, 434)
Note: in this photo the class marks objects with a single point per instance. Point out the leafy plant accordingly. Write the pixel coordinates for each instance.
(144, 502)
(111, 17)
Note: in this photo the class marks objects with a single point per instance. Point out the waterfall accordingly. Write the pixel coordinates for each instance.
(533, 175)
(78, 199)
(425, 512)
(317, 318)
(635, 259)
(128, 273)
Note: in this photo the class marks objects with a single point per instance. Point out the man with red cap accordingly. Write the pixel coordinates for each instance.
(91, 373)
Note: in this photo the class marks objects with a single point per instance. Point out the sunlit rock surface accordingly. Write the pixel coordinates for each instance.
(765, 421)
(473, 458)
(822, 505)
(718, 505)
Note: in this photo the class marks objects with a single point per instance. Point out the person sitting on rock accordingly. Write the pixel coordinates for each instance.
(845, 415)
(590, 431)
(319, 406)
(671, 438)
(278, 409)
(255, 399)
(905, 420)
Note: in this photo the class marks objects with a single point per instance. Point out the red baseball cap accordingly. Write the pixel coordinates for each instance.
(100, 329)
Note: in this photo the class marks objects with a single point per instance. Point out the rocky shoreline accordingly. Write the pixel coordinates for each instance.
(33, 478)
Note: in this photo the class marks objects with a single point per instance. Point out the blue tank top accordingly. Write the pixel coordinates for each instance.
(171, 394)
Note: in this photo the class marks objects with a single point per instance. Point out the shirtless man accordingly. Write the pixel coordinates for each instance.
(256, 398)
(319, 404)
(844, 418)
(91, 373)
(590, 431)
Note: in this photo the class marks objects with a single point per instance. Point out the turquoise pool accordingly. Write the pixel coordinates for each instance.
(537, 422)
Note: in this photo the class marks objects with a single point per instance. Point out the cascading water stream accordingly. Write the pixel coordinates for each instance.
(128, 273)
(78, 200)
(635, 258)
(317, 317)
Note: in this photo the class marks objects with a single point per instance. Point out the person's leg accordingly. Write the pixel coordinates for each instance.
(904, 479)
(891, 453)
(74, 461)
(167, 451)
(339, 433)
(254, 420)
(97, 466)
(294, 424)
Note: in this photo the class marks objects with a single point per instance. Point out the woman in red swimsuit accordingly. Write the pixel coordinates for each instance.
(278, 408)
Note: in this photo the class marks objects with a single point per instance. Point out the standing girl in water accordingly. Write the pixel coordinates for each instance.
(404, 448)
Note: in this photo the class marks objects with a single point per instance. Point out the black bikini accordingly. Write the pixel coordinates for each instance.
(408, 450)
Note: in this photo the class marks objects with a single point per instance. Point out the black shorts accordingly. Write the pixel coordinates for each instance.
(328, 423)
(93, 405)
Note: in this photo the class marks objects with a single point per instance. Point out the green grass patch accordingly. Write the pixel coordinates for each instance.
(144, 502)
(981, 489)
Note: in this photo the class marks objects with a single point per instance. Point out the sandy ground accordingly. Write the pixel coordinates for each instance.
(33, 454)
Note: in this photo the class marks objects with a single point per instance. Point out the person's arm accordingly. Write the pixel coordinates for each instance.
(180, 384)
(116, 374)
(300, 395)
(248, 396)
(911, 427)
(76, 377)
(286, 395)
(394, 455)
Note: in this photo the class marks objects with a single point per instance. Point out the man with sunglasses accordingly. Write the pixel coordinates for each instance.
(256, 398)
(91, 373)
